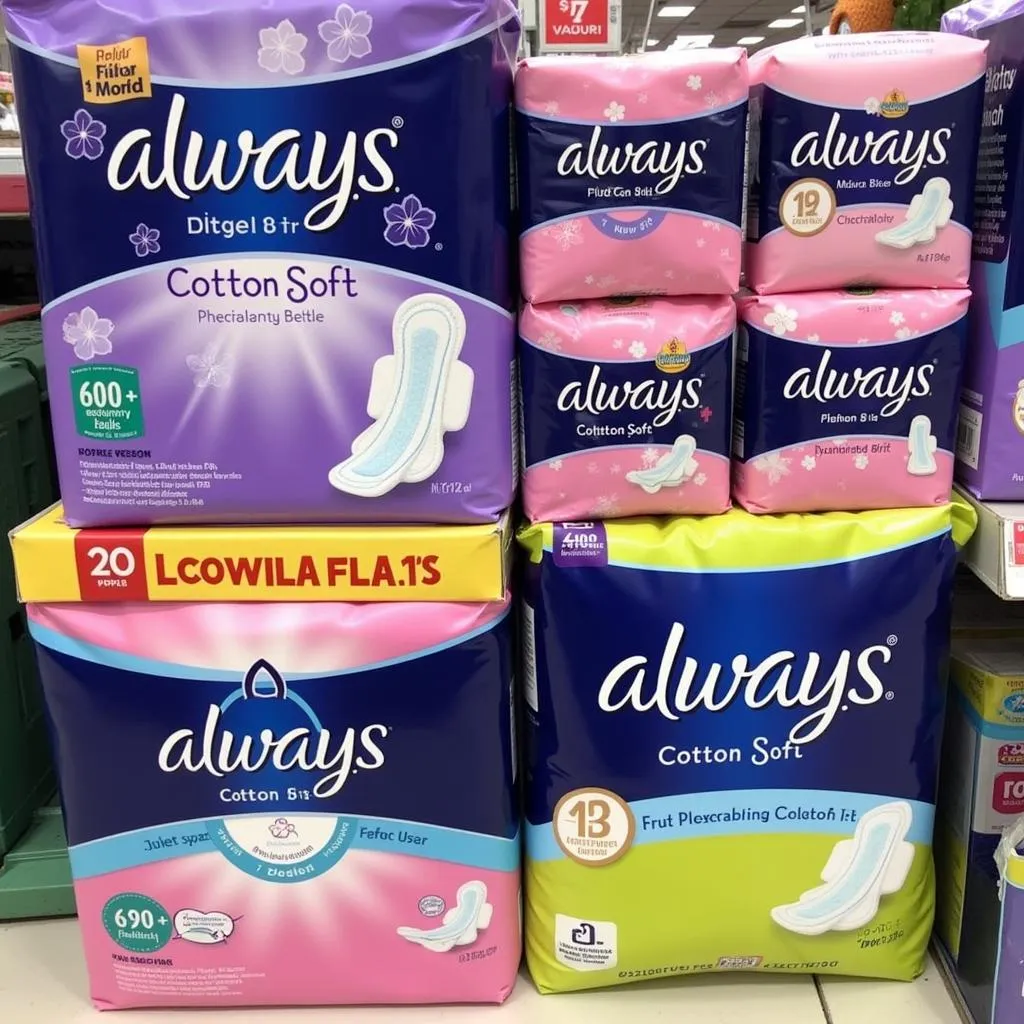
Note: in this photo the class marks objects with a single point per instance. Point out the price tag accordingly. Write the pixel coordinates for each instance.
(582, 26)
(1018, 543)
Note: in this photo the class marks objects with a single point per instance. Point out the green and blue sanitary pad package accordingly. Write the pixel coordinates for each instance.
(734, 726)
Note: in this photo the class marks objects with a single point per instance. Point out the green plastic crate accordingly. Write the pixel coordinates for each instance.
(22, 340)
(35, 879)
(34, 872)
(26, 487)
(26, 766)
(21, 343)
(27, 477)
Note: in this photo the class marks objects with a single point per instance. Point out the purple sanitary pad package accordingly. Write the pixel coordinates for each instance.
(273, 249)
(1008, 997)
(990, 443)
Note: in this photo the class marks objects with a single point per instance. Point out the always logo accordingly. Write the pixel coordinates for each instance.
(186, 163)
(906, 153)
(668, 161)
(664, 398)
(894, 386)
(264, 726)
(788, 679)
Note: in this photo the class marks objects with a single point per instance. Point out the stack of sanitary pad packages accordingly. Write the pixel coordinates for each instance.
(631, 201)
(284, 739)
(273, 613)
(697, 678)
(851, 351)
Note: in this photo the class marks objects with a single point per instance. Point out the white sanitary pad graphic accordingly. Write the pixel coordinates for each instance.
(929, 210)
(470, 915)
(416, 396)
(861, 870)
(671, 469)
(921, 445)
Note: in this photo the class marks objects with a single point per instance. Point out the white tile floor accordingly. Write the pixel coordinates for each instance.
(42, 981)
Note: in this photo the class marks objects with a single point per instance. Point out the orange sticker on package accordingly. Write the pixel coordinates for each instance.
(116, 72)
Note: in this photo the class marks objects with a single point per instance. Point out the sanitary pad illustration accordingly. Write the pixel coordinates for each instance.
(461, 925)
(921, 448)
(416, 396)
(848, 400)
(214, 364)
(929, 211)
(631, 174)
(670, 470)
(627, 407)
(649, 710)
(285, 775)
(863, 161)
(860, 871)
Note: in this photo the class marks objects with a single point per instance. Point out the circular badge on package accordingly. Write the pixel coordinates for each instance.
(807, 207)
(137, 923)
(593, 826)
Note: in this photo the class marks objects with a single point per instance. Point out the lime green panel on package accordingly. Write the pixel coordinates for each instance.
(735, 727)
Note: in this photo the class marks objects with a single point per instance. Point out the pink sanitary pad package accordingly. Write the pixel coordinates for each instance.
(847, 400)
(631, 174)
(862, 161)
(626, 407)
(286, 759)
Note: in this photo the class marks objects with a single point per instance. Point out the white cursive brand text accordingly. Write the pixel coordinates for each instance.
(221, 752)
(785, 678)
(187, 164)
(672, 161)
(822, 383)
(908, 150)
(663, 397)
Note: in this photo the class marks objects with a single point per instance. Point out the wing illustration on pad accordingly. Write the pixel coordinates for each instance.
(671, 469)
(417, 395)
(460, 926)
(929, 211)
(860, 871)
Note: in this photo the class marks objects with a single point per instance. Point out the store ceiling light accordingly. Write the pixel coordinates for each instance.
(691, 42)
(799, 9)
(653, 42)
(749, 40)
(785, 22)
(675, 11)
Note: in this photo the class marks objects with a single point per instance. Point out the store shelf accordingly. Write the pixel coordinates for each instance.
(42, 978)
(996, 551)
